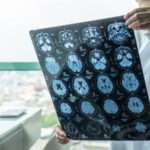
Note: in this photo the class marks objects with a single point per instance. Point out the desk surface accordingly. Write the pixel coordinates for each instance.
(9, 124)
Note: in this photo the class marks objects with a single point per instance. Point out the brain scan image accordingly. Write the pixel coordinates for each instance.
(130, 82)
(93, 128)
(98, 60)
(65, 108)
(110, 107)
(104, 84)
(72, 129)
(140, 128)
(95, 79)
(52, 65)
(118, 33)
(81, 86)
(68, 40)
(87, 107)
(135, 105)
(124, 57)
(92, 36)
(59, 87)
(45, 42)
(74, 63)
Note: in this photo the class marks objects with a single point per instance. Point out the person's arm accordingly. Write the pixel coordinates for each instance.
(61, 135)
(138, 19)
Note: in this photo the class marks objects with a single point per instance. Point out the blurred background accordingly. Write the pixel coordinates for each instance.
(21, 80)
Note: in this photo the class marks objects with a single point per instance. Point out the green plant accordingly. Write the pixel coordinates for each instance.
(49, 120)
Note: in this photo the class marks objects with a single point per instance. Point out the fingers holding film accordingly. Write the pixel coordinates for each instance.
(61, 135)
(62, 140)
(137, 10)
(60, 132)
(137, 17)
(139, 22)
(142, 27)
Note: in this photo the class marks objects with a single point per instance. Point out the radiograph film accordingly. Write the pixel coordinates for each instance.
(94, 75)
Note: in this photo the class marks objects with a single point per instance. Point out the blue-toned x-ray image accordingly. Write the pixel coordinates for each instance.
(118, 33)
(92, 36)
(59, 87)
(74, 63)
(95, 79)
(124, 56)
(135, 105)
(87, 107)
(98, 60)
(81, 86)
(110, 107)
(44, 42)
(52, 65)
(130, 82)
(104, 84)
(65, 108)
(68, 40)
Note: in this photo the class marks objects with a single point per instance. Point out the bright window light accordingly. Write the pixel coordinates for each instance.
(19, 16)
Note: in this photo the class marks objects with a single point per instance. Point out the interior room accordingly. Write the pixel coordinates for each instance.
(28, 117)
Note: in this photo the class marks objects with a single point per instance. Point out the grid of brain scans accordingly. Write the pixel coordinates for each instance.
(95, 79)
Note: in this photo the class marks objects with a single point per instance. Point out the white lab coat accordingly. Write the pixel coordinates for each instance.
(143, 43)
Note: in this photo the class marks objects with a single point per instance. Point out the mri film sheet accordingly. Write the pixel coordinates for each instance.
(94, 76)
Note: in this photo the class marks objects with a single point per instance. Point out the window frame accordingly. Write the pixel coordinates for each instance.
(20, 66)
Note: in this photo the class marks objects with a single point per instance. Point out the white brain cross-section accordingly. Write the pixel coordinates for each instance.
(123, 56)
(81, 87)
(98, 60)
(135, 105)
(65, 108)
(130, 82)
(118, 33)
(110, 106)
(68, 40)
(92, 36)
(74, 63)
(87, 108)
(52, 65)
(59, 87)
(45, 42)
(104, 84)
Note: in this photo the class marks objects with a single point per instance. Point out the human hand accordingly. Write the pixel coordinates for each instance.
(138, 19)
(61, 135)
